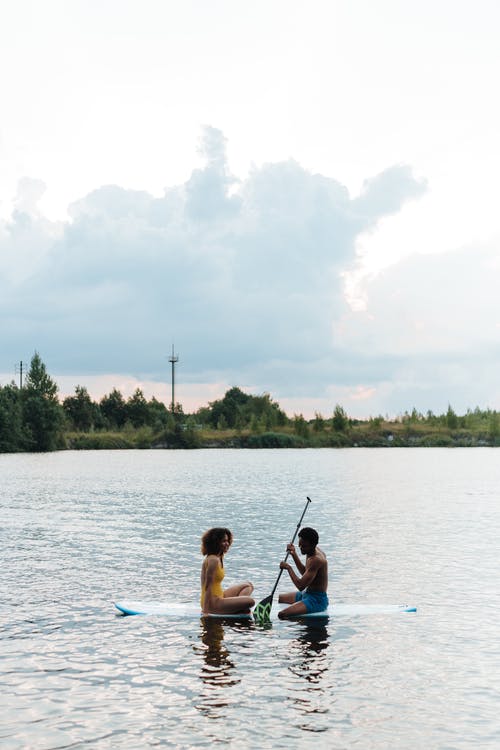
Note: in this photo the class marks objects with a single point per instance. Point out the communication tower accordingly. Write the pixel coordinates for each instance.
(173, 359)
(20, 368)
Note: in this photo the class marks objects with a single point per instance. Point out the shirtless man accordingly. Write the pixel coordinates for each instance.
(313, 582)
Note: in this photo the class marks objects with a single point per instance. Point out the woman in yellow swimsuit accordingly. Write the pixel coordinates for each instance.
(214, 545)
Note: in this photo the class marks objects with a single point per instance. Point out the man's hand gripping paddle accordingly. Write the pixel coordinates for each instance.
(262, 611)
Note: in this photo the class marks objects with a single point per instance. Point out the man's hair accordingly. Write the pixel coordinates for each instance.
(310, 535)
(211, 540)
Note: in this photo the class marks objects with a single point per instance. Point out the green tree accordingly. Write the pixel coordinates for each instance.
(43, 416)
(376, 423)
(178, 414)
(255, 424)
(494, 427)
(319, 422)
(300, 426)
(239, 409)
(80, 409)
(113, 409)
(230, 408)
(39, 381)
(203, 415)
(158, 415)
(12, 436)
(340, 420)
(268, 410)
(137, 409)
(451, 419)
(222, 423)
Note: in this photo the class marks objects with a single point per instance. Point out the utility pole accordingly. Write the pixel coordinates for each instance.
(173, 359)
(19, 368)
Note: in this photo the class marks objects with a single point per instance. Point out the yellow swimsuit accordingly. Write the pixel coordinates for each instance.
(216, 585)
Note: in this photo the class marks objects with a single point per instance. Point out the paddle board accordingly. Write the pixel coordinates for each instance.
(176, 609)
(171, 609)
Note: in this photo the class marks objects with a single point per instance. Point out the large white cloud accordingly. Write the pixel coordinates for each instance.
(246, 276)
(432, 322)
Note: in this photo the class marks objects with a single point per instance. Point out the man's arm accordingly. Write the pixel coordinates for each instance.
(311, 570)
(298, 562)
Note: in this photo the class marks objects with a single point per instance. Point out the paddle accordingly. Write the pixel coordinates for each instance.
(262, 611)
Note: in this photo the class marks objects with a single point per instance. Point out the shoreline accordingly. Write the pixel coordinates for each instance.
(191, 440)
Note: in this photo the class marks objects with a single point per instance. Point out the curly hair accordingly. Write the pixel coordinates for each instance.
(310, 535)
(211, 540)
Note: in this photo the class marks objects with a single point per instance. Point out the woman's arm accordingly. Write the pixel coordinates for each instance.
(210, 568)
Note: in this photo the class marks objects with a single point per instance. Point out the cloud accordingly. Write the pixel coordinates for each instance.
(386, 193)
(245, 276)
(26, 241)
(432, 323)
(430, 304)
(29, 193)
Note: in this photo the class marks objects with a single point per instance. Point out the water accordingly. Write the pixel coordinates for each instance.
(80, 530)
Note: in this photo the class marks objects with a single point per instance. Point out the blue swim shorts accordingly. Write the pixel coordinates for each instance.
(315, 601)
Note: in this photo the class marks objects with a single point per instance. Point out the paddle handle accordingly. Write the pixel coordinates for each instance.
(288, 551)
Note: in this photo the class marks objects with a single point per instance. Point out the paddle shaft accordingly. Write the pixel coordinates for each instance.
(288, 552)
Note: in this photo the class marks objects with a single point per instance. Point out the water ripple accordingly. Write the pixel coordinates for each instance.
(83, 529)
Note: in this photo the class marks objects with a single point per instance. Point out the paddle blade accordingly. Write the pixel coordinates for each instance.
(262, 611)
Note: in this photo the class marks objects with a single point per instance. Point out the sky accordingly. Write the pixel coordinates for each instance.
(300, 197)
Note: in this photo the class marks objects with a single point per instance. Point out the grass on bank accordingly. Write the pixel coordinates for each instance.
(361, 434)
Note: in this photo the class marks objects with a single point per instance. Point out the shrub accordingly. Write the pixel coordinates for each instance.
(273, 440)
(436, 441)
(99, 441)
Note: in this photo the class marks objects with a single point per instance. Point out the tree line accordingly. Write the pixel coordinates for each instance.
(32, 418)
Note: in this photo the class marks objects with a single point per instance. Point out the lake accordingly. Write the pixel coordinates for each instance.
(82, 529)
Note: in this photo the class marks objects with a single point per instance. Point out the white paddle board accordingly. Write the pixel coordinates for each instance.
(176, 609)
(171, 609)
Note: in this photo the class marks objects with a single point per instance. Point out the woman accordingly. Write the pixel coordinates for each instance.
(214, 545)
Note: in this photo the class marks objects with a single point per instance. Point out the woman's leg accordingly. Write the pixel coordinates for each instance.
(231, 605)
(239, 589)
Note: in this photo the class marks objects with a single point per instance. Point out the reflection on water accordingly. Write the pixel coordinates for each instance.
(305, 644)
(309, 696)
(218, 669)
(217, 666)
(77, 533)
(308, 651)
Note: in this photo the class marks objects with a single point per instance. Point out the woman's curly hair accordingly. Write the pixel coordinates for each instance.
(211, 540)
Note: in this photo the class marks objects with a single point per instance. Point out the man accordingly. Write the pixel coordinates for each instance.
(313, 581)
